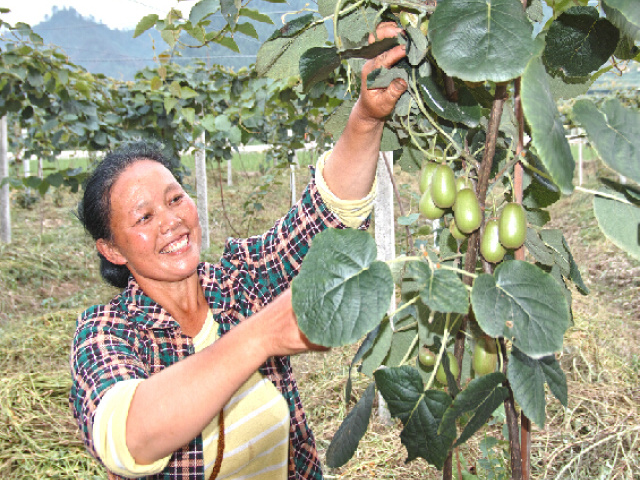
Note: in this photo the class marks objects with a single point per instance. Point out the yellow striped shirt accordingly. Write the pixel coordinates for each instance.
(256, 430)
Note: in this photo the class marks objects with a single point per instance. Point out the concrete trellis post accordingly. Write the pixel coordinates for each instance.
(385, 237)
(201, 192)
(5, 210)
(292, 177)
(229, 173)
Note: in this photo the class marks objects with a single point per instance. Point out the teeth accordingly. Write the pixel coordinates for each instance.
(177, 245)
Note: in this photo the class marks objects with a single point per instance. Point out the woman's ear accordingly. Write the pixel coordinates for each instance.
(109, 251)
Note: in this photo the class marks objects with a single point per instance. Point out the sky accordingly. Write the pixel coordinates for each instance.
(120, 14)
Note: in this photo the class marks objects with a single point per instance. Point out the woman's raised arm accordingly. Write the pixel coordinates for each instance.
(351, 168)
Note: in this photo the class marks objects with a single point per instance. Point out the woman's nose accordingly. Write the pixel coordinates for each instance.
(168, 221)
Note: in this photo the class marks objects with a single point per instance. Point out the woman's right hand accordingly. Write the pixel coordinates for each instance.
(278, 325)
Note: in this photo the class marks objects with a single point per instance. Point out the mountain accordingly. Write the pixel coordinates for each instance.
(118, 55)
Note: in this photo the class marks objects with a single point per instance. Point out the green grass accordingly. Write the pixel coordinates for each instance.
(49, 274)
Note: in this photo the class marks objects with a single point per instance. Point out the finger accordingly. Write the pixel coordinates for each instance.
(396, 89)
(390, 57)
(385, 30)
(386, 59)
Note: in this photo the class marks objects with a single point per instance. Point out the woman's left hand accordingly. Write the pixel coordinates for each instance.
(377, 104)
(351, 168)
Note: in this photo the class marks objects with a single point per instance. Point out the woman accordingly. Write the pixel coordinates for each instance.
(171, 378)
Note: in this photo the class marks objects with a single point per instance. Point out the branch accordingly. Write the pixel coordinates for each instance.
(518, 172)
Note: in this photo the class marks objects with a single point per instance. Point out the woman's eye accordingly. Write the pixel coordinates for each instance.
(143, 218)
(177, 198)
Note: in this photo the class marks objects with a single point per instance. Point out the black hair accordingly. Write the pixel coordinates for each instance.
(94, 209)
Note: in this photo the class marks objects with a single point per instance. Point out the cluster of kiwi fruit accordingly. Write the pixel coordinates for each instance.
(441, 191)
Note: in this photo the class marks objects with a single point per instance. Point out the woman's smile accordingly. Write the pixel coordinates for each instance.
(176, 246)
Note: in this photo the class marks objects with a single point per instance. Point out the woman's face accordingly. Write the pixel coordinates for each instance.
(154, 224)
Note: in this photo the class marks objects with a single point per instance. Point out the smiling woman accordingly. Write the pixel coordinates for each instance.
(186, 374)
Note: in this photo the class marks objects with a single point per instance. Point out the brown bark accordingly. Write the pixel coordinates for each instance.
(512, 424)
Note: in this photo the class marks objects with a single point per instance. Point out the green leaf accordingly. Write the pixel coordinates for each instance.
(404, 344)
(63, 76)
(256, 15)
(527, 377)
(145, 24)
(209, 123)
(555, 378)
(230, 10)
(628, 8)
(547, 130)
(579, 42)
(247, 29)
(614, 132)
(55, 179)
(156, 83)
(418, 47)
(187, 93)
(234, 135)
(170, 37)
(326, 7)
(202, 10)
(539, 195)
(317, 64)
(279, 57)
(382, 77)
(624, 15)
(455, 112)
(345, 441)
(478, 40)
(338, 119)
(536, 247)
(222, 123)
(197, 32)
(619, 221)
(378, 352)
(170, 103)
(440, 289)
(563, 87)
(574, 270)
(293, 27)
(420, 411)
(342, 291)
(354, 27)
(527, 382)
(189, 115)
(229, 43)
(524, 304)
(482, 396)
(554, 240)
(366, 346)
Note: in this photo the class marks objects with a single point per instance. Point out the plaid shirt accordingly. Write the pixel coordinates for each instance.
(134, 337)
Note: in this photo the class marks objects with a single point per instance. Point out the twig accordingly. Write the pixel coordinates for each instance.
(603, 194)
(518, 173)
